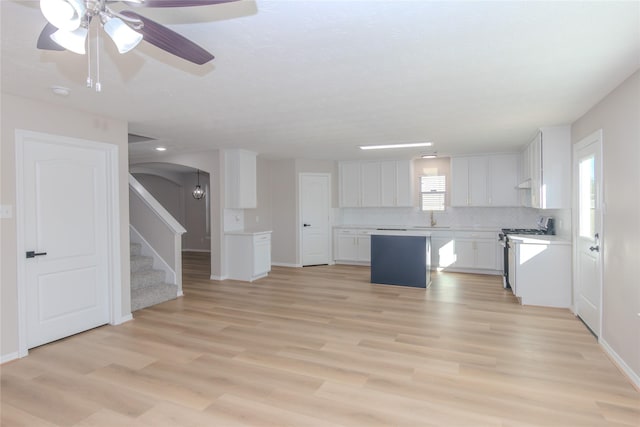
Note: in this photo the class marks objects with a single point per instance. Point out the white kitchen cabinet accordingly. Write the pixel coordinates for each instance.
(484, 180)
(370, 187)
(546, 179)
(349, 184)
(240, 179)
(540, 271)
(442, 250)
(404, 184)
(353, 246)
(386, 183)
(396, 184)
(475, 250)
(248, 255)
(503, 180)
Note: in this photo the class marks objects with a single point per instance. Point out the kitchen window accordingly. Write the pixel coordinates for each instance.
(432, 192)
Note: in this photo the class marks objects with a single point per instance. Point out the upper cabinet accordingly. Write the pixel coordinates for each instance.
(387, 183)
(546, 169)
(484, 180)
(240, 179)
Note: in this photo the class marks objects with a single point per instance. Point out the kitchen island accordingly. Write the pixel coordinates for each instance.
(401, 257)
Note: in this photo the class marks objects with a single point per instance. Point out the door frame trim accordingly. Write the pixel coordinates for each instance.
(299, 221)
(113, 226)
(595, 137)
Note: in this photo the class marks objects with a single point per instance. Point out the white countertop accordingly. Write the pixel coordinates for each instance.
(540, 239)
(420, 227)
(407, 232)
(246, 232)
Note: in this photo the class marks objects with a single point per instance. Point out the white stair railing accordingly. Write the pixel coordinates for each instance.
(154, 227)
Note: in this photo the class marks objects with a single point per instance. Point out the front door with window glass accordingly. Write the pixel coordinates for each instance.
(588, 231)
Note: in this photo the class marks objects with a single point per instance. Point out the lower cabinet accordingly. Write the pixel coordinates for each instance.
(352, 246)
(464, 250)
(450, 250)
(540, 272)
(248, 256)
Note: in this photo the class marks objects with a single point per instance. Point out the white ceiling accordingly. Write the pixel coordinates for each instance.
(315, 79)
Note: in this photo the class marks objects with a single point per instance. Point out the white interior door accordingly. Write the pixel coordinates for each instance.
(588, 231)
(315, 204)
(65, 226)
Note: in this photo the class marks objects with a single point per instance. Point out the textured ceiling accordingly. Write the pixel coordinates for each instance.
(315, 79)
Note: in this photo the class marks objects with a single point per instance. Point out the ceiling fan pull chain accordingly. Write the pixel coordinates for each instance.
(98, 84)
(89, 79)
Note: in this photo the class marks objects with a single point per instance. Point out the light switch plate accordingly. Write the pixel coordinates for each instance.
(6, 211)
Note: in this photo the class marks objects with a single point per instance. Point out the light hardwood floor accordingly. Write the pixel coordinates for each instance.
(321, 346)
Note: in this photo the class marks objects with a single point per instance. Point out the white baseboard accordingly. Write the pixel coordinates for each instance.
(286, 264)
(219, 278)
(634, 377)
(196, 250)
(123, 319)
(9, 357)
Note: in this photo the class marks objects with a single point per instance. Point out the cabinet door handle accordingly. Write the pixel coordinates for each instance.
(306, 225)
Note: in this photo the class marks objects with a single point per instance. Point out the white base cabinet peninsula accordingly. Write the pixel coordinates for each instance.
(248, 254)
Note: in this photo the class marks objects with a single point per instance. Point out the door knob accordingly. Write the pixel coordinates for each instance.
(33, 254)
(594, 248)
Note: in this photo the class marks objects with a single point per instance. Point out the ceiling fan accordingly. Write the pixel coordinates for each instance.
(69, 22)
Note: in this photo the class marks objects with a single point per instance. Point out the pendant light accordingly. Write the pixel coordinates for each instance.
(198, 192)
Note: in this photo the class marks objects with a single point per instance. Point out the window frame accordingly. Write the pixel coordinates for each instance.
(443, 193)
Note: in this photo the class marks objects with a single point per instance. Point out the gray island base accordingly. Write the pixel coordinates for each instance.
(401, 258)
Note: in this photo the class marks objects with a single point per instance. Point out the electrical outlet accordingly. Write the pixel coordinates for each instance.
(6, 211)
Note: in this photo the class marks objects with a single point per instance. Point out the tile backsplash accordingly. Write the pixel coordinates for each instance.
(454, 217)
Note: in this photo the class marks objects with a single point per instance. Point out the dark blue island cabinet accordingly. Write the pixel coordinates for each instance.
(401, 258)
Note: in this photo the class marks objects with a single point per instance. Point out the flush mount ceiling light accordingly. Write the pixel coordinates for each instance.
(391, 146)
(161, 148)
(198, 192)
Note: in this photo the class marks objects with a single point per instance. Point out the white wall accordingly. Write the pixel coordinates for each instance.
(284, 208)
(260, 218)
(22, 113)
(209, 162)
(618, 115)
(167, 192)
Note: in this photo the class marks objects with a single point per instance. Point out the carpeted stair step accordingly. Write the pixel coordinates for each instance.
(148, 296)
(135, 249)
(141, 263)
(146, 278)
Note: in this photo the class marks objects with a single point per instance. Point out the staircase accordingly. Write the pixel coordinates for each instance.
(148, 286)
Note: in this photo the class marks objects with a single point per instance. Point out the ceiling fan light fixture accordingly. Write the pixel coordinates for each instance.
(63, 14)
(74, 41)
(124, 37)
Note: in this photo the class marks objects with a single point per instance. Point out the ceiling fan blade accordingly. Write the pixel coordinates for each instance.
(170, 41)
(176, 3)
(44, 40)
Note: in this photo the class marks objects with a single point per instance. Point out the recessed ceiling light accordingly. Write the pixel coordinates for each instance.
(161, 148)
(387, 146)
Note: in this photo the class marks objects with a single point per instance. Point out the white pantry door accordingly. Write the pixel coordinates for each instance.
(65, 226)
(314, 213)
(588, 230)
